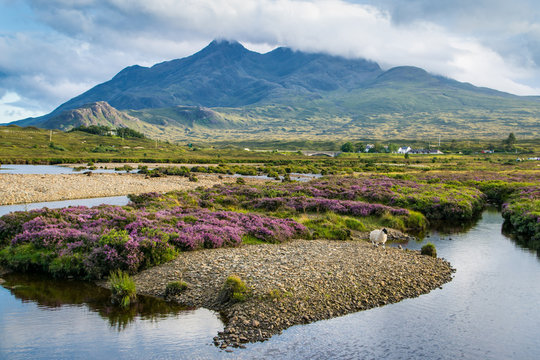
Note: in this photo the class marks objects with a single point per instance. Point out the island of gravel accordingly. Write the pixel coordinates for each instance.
(293, 283)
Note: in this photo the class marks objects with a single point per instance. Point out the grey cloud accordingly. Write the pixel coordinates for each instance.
(509, 27)
(88, 41)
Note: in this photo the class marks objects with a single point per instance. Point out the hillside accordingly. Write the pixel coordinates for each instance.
(33, 145)
(226, 91)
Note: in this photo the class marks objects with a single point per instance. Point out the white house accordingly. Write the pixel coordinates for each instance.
(369, 147)
(404, 150)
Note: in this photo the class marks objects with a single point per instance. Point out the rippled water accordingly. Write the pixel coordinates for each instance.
(489, 311)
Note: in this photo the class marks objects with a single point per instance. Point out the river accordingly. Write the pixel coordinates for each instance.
(48, 169)
(488, 311)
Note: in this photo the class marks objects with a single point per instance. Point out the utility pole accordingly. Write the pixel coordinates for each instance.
(50, 136)
(439, 141)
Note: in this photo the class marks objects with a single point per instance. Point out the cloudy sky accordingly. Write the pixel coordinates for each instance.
(53, 50)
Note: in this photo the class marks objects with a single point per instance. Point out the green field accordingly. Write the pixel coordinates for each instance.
(33, 145)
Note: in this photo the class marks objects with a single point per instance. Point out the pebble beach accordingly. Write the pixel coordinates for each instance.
(298, 282)
(25, 188)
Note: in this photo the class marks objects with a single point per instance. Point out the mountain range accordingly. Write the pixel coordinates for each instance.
(226, 91)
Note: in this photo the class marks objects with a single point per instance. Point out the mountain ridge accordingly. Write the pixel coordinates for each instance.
(308, 94)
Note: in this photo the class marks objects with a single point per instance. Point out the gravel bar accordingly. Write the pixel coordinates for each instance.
(24, 188)
(298, 282)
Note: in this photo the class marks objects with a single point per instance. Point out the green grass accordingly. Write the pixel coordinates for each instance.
(429, 250)
(252, 240)
(123, 290)
(175, 287)
(32, 145)
(234, 290)
(338, 227)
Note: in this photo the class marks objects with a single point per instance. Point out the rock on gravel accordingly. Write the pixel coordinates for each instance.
(295, 283)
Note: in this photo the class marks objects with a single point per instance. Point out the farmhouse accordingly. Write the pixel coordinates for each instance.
(404, 150)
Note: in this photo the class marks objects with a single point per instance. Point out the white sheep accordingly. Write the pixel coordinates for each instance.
(378, 237)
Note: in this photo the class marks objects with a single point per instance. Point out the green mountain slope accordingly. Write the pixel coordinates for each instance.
(226, 91)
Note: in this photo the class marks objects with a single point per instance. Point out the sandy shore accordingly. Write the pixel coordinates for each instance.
(295, 283)
(20, 189)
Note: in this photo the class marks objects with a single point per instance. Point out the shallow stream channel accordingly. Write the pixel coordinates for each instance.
(488, 311)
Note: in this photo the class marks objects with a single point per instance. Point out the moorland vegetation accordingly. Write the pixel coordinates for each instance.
(357, 193)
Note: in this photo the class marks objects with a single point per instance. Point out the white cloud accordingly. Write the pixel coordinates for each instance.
(11, 111)
(92, 40)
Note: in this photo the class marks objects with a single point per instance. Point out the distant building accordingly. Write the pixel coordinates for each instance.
(426, 151)
(487, 151)
(404, 150)
(369, 147)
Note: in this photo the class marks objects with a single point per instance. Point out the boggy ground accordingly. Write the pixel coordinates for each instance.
(298, 282)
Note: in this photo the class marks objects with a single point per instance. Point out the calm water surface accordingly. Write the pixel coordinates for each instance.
(111, 200)
(45, 319)
(47, 169)
(489, 311)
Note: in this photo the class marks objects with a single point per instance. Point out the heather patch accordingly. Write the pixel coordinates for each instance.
(517, 192)
(356, 196)
(91, 242)
(522, 211)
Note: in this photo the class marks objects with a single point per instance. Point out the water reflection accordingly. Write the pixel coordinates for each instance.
(43, 318)
(51, 294)
(110, 200)
(456, 227)
(522, 241)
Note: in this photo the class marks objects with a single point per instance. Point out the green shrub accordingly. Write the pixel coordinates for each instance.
(328, 228)
(429, 250)
(189, 219)
(416, 220)
(156, 252)
(115, 238)
(333, 226)
(273, 174)
(175, 287)
(234, 290)
(126, 168)
(252, 240)
(355, 224)
(56, 147)
(240, 181)
(123, 290)
(393, 222)
(67, 265)
(25, 258)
